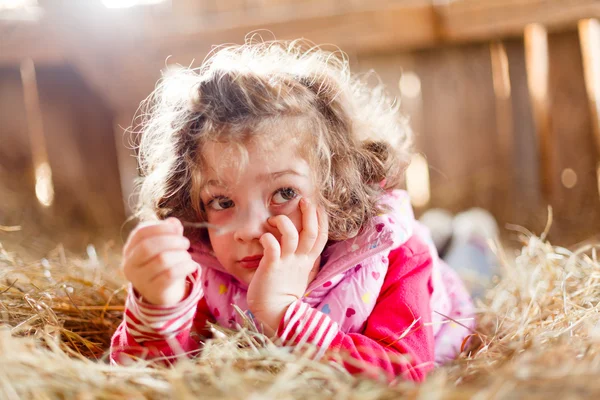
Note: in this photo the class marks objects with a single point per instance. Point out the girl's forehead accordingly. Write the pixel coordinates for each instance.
(261, 156)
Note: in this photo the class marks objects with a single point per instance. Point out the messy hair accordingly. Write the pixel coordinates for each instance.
(359, 144)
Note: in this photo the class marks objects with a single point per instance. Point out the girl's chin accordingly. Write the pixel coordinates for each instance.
(245, 278)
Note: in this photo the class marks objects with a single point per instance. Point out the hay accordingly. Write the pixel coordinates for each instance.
(538, 337)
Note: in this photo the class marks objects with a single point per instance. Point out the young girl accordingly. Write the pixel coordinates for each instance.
(295, 167)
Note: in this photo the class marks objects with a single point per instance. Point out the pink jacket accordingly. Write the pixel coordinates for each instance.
(401, 331)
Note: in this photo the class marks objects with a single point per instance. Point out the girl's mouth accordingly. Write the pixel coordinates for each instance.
(251, 262)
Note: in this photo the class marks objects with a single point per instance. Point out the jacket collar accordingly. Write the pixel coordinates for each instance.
(379, 236)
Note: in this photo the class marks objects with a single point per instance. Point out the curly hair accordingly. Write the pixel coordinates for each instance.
(358, 144)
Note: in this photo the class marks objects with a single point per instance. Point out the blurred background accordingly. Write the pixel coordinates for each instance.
(502, 94)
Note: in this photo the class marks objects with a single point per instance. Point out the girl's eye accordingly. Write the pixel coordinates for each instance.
(284, 195)
(220, 203)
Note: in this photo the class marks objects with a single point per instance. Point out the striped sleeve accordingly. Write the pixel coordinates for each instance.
(303, 324)
(147, 322)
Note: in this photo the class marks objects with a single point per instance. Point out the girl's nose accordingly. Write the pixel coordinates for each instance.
(251, 224)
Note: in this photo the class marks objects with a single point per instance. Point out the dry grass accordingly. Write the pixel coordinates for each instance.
(538, 337)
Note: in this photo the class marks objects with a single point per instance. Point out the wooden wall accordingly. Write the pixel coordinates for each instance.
(489, 141)
(484, 147)
(81, 151)
(16, 165)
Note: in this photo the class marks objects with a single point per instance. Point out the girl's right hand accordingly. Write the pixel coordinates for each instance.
(156, 262)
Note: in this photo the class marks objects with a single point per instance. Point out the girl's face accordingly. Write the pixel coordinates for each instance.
(241, 201)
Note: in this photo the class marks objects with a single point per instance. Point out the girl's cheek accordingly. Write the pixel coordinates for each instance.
(290, 209)
(295, 215)
(218, 217)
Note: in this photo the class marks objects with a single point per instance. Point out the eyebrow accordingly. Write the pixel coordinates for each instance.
(261, 177)
(215, 182)
(275, 175)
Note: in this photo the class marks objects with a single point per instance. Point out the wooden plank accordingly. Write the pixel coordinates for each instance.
(566, 156)
(482, 145)
(504, 176)
(35, 126)
(381, 26)
(459, 126)
(111, 47)
(485, 20)
(537, 63)
(186, 7)
(81, 151)
(35, 41)
(104, 52)
(361, 27)
(44, 187)
(15, 151)
(389, 70)
(576, 199)
(361, 31)
(589, 37)
(528, 208)
(95, 139)
(16, 164)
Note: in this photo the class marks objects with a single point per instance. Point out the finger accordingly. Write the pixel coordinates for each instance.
(323, 234)
(271, 249)
(174, 272)
(310, 226)
(289, 234)
(160, 263)
(167, 258)
(148, 229)
(150, 248)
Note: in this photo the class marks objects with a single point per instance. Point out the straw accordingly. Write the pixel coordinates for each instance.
(538, 337)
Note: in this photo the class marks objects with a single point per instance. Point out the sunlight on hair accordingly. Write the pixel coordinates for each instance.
(410, 85)
(44, 190)
(128, 3)
(568, 177)
(417, 181)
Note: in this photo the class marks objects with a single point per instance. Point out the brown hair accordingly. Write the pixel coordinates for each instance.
(359, 143)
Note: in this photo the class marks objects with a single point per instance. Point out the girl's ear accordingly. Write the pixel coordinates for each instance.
(376, 160)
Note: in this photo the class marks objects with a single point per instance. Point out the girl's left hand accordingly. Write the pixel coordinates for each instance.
(283, 273)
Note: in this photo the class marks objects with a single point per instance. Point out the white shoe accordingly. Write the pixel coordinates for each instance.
(439, 222)
(475, 223)
(469, 252)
